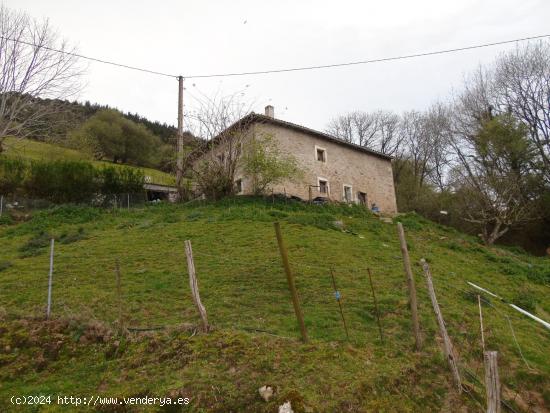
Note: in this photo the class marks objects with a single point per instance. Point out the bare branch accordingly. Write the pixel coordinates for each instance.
(28, 73)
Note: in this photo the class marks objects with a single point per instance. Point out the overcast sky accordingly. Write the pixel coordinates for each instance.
(202, 37)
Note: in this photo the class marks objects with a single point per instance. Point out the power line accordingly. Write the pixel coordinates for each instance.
(93, 59)
(283, 70)
(362, 62)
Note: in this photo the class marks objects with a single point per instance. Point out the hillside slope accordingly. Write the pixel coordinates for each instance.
(255, 336)
(34, 150)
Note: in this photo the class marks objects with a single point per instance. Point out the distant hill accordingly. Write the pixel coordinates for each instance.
(73, 114)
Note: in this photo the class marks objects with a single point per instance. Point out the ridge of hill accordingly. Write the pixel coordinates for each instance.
(254, 339)
(71, 115)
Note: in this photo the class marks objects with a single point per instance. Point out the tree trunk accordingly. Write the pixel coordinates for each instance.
(495, 234)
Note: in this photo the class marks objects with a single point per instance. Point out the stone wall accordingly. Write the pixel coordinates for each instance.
(362, 171)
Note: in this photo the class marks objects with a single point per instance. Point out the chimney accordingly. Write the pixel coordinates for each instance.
(270, 111)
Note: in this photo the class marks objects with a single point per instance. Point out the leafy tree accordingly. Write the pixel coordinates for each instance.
(107, 134)
(267, 165)
(494, 179)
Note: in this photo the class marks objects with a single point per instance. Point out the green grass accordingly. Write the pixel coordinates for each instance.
(244, 289)
(34, 150)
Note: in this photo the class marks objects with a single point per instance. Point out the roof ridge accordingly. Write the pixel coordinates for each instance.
(318, 133)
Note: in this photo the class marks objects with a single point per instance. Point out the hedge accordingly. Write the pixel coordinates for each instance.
(66, 181)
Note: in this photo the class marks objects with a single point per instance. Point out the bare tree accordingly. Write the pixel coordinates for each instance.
(355, 127)
(437, 128)
(215, 121)
(377, 130)
(417, 148)
(389, 140)
(30, 69)
(521, 85)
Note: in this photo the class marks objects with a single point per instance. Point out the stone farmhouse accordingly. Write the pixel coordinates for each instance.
(333, 169)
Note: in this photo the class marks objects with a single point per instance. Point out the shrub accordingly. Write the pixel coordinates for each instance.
(67, 181)
(70, 237)
(194, 216)
(6, 219)
(452, 245)
(12, 172)
(323, 221)
(213, 180)
(4, 265)
(35, 245)
(120, 180)
(61, 181)
(267, 165)
(539, 274)
(525, 300)
(412, 221)
(278, 214)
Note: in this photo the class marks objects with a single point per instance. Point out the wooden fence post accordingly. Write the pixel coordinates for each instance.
(376, 306)
(337, 296)
(290, 279)
(50, 281)
(194, 286)
(447, 345)
(411, 286)
(492, 382)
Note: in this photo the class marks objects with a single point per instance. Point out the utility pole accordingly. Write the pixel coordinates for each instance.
(179, 150)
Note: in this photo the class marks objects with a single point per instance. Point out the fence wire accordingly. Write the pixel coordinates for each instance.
(67, 280)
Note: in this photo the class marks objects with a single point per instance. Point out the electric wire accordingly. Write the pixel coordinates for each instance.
(280, 70)
(362, 62)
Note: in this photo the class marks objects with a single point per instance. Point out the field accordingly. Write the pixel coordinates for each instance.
(255, 337)
(29, 149)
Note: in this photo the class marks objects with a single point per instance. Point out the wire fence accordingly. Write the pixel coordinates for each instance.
(18, 204)
(151, 303)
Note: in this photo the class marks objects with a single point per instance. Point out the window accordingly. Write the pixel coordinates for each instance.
(320, 154)
(239, 185)
(323, 186)
(347, 194)
(362, 197)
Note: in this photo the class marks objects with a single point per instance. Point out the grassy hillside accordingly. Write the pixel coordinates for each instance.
(255, 336)
(29, 149)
